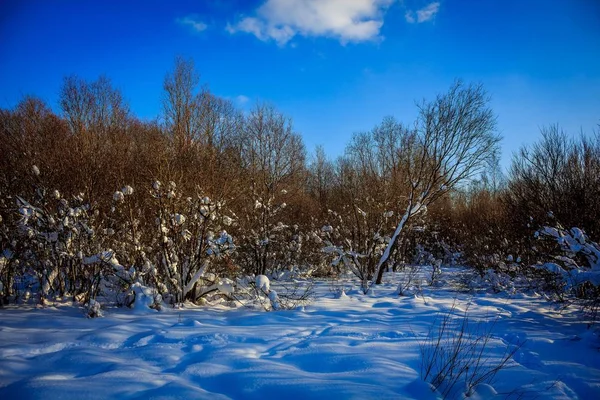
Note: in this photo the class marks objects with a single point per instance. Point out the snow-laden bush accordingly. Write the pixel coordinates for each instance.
(63, 243)
(93, 309)
(114, 280)
(494, 280)
(188, 241)
(262, 283)
(356, 240)
(65, 247)
(574, 267)
(580, 258)
(258, 291)
(410, 280)
(268, 243)
(263, 287)
(143, 298)
(51, 237)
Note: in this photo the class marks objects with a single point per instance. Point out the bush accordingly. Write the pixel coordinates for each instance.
(455, 351)
(571, 266)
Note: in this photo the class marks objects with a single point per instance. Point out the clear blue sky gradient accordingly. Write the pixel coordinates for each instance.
(539, 60)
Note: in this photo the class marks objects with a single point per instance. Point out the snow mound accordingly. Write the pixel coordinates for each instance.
(146, 299)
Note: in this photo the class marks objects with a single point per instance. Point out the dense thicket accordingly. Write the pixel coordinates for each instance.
(94, 200)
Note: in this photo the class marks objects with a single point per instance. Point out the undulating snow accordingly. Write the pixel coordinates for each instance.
(343, 345)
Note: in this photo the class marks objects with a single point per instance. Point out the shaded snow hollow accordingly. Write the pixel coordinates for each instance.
(349, 346)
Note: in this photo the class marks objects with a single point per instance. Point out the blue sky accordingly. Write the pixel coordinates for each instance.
(334, 66)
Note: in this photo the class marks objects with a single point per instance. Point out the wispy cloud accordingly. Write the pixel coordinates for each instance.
(425, 14)
(241, 99)
(344, 20)
(193, 22)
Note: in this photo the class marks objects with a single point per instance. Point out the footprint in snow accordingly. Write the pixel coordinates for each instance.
(385, 304)
(528, 359)
(515, 338)
(192, 323)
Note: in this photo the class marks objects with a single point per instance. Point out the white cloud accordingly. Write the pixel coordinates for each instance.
(241, 99)
(193, 22)
(345, 20)
(425, 14)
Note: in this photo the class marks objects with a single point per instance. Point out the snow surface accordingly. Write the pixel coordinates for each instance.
(340, 346)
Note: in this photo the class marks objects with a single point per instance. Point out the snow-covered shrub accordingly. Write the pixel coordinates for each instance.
(268, 244)
(114, 280)
(262, 283)
(255, 291)
(263, 288)
(410, 280)
(93, 309)
(189, 239)
(51, 237)
(574, 266)
(581, 256)
(355, 240)
(424, 257)
(143, 298)
(557, 178)
(494, 280)
(122, 227)
(258, 291)
(68, 247)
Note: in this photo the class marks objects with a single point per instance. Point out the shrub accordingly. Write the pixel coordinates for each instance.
(456, 351)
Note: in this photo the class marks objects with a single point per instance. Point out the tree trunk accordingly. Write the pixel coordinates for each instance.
(410, 210)
(385, 257)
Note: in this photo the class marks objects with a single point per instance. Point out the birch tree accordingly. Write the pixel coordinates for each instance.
(455, 138)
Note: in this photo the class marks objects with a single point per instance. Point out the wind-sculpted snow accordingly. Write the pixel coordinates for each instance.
(341, 346)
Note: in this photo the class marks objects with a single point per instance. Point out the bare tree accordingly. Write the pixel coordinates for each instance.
(558, 174)
(272, 151)
(273, 157)
(455, 138)
(321, 177)
(109, 110)
(369, 179)
(218, 120)
(75, 102)
(92, 106)
(181, 106)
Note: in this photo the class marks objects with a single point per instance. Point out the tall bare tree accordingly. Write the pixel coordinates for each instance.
(558, 174)
(273, 156)
(455, 139)
(92, 106)
(181, 105)
(321, 177)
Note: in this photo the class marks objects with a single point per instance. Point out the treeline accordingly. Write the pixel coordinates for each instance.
(94, 200)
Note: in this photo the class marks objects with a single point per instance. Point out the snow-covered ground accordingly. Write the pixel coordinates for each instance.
(349, 346)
